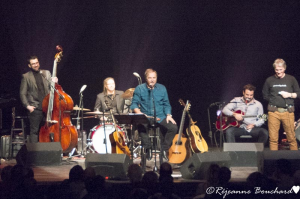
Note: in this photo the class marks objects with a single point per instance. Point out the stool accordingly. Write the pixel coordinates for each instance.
(245, 138)
(17, 134)
(155, 141)
(155, 138)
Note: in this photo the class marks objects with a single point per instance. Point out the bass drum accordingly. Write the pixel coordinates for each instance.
(98, 138)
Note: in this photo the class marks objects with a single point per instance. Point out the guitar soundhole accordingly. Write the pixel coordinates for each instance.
(179, 143)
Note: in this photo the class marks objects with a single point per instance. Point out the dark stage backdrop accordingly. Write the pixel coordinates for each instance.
(204, 51)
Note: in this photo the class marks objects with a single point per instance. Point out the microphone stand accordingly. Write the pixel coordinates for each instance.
(221, 127)
(80, 127)
(105, 133)
(209, 123)
(109, 108)
(140, 80)
(154, 126)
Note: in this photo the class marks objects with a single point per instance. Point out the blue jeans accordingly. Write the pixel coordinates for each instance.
(258, 133)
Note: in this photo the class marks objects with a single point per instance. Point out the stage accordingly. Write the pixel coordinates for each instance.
(56, 174)
(186, 188)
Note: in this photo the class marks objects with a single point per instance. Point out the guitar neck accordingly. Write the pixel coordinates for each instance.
(190, 116)
(181, 125)
(51, 94)
(247, 116)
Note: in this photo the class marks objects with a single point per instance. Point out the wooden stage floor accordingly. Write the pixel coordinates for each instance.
(56, 174)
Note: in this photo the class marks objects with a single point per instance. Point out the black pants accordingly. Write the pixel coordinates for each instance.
(260, 134)
(167, 134)
(35, 119)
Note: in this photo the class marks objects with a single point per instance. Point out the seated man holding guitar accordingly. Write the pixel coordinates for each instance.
(245, 110)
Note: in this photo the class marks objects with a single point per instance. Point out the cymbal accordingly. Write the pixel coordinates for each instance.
(128, 93)
(79, 118)
(76, 108)
(96, 113)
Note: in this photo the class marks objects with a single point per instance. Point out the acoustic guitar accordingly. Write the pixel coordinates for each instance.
(197, 142)
(228, 121)
(180, 151)
(116, 138)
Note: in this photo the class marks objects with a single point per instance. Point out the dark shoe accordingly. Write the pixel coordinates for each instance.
(166, 155)
(148, 154)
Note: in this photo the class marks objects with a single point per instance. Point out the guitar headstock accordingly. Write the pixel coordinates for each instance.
(187, 106)
(181, 102)
(263, 117)
(59, 54)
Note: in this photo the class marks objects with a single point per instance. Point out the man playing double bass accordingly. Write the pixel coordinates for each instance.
(34, 87)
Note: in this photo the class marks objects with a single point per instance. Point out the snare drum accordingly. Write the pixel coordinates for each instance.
(99, 139)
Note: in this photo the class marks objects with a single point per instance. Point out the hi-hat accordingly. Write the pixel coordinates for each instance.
(76, 108)
(96, 113)
(128, 93)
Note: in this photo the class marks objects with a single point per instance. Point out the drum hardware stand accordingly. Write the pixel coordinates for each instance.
(79, 127)
(88, 146)
(106, 103)
(136, 151)
(135, 147)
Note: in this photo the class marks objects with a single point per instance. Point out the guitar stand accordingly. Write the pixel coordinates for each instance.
(221, 129)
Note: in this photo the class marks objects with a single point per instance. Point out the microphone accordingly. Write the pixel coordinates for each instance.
(107, 105)
(82, 89)
(49, 80)
(136, 74)
(43, 75)
(139, 77)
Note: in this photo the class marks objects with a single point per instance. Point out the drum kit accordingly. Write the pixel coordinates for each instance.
(98, 139)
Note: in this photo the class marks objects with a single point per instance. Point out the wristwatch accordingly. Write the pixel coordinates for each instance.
(169, 115)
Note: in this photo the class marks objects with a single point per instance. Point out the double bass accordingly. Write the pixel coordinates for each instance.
(58, 106)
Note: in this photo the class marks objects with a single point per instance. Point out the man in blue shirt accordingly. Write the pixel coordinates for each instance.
(152, 96)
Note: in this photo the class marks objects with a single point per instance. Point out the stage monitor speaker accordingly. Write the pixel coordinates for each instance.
(270, 158)
(197, 166)
(40, 154)
(245, 154)
(112, 166)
